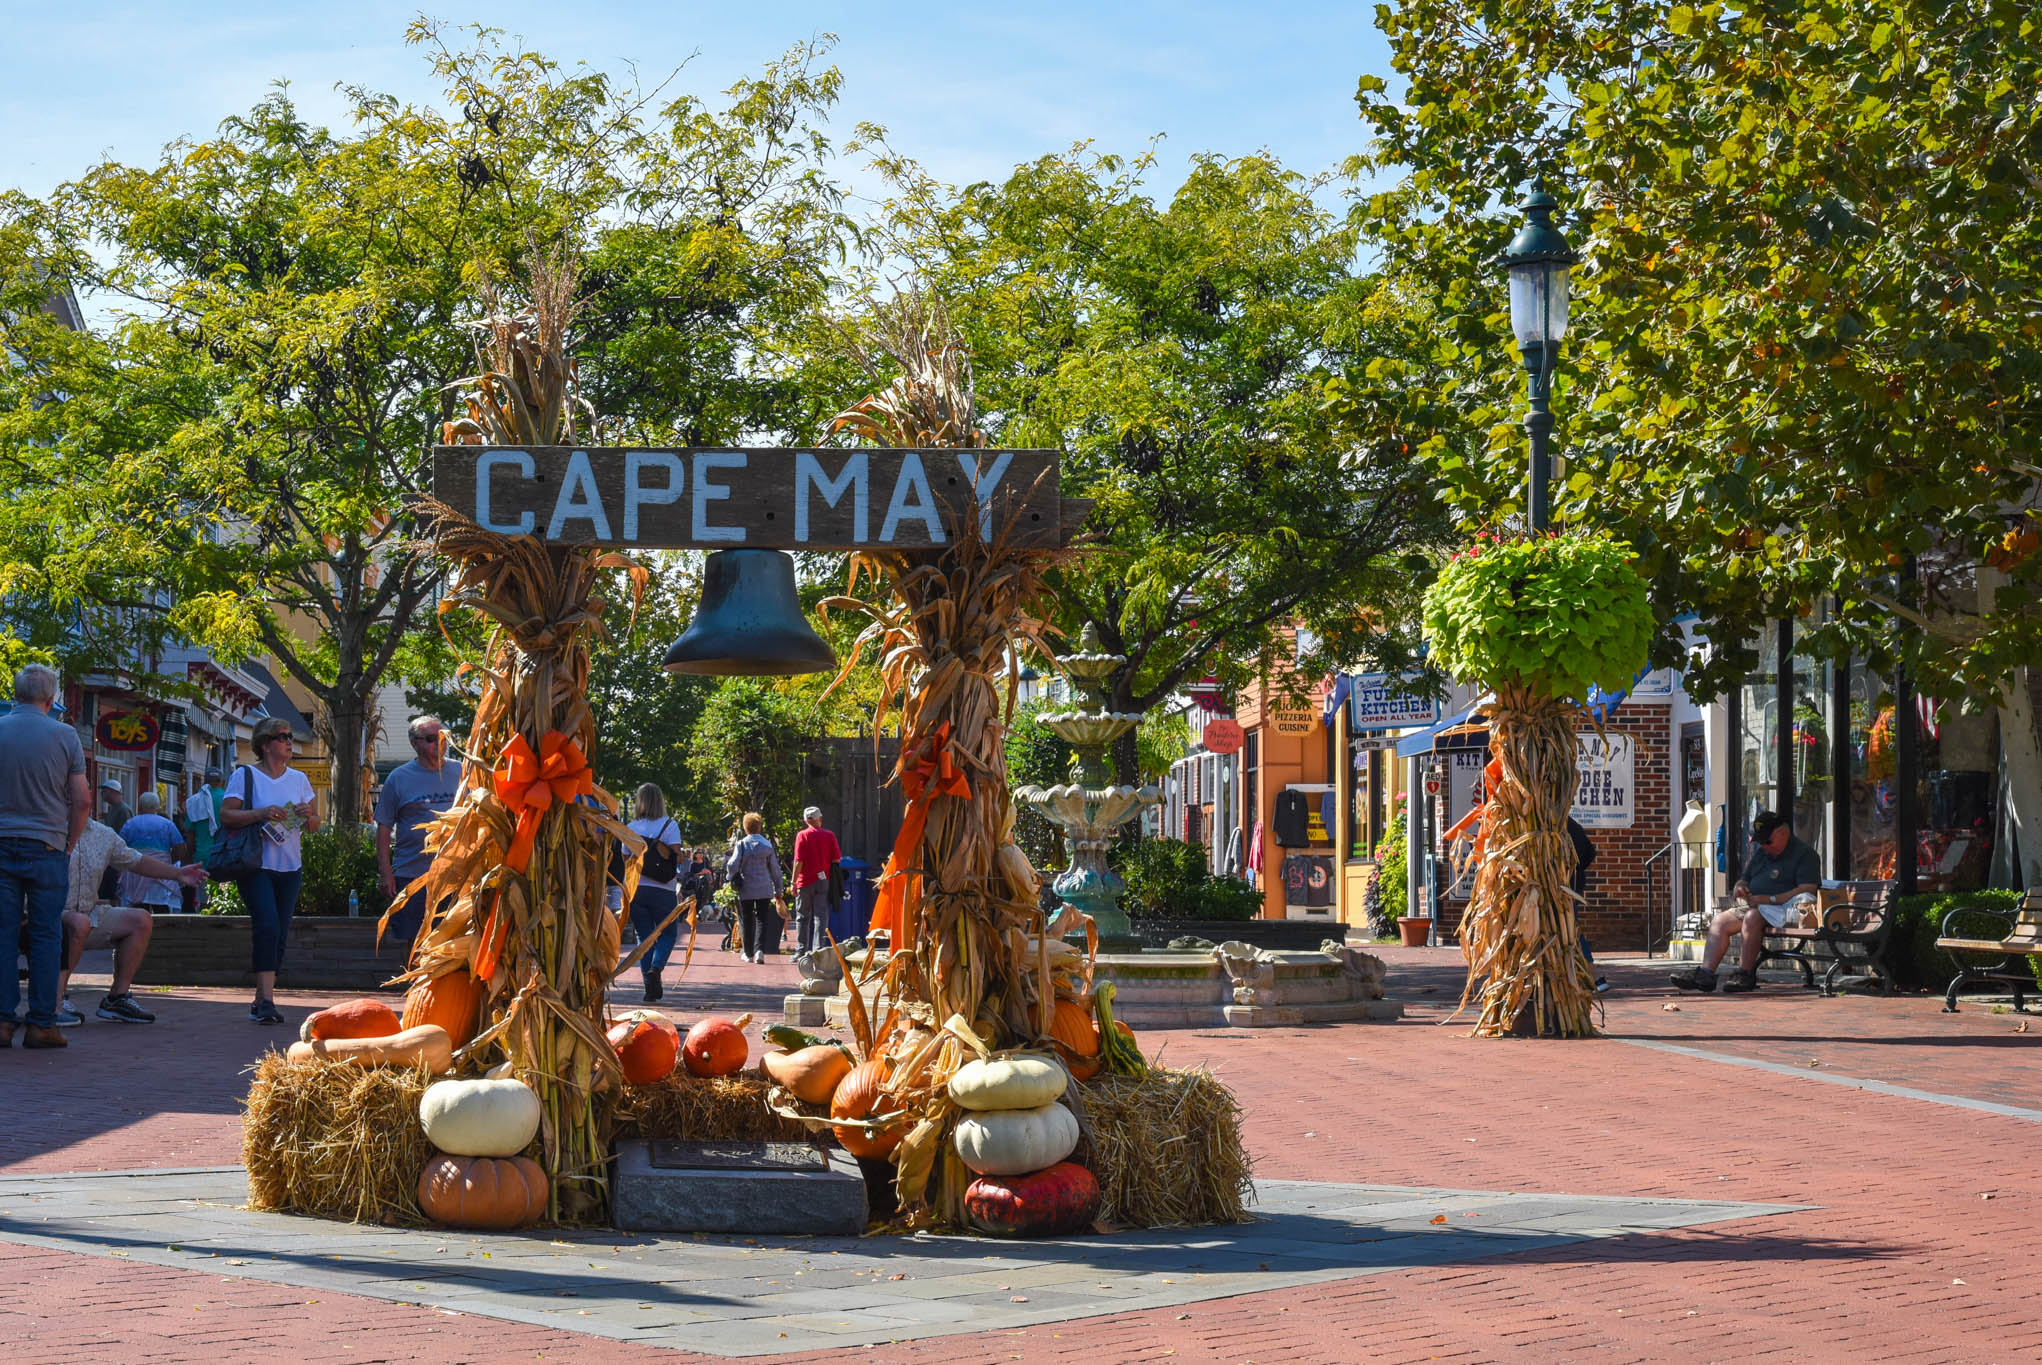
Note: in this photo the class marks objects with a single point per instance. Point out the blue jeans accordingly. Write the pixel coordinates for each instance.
(34, 880)
(648, 907)
(271, 898)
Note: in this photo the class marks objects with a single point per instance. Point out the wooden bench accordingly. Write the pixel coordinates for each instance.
(1854, 933)
(2008, 939)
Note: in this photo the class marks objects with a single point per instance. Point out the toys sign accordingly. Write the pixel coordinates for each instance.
(127, 732)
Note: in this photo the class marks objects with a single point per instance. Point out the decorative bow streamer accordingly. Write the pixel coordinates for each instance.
(933, 772)
(529, 783)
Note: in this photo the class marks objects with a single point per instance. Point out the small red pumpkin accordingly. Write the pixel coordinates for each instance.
(856, 1097)
(363, 1018)
(715, 1047)
(1064, 1198)
(493, 1192)
(647, 1045)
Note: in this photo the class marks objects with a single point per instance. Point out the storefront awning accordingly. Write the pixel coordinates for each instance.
(1468, 730)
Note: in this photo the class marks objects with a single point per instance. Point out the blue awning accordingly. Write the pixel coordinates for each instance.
(1468, 730)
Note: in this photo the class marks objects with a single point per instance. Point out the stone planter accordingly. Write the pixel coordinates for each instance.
(1278, 935)
(325, 953)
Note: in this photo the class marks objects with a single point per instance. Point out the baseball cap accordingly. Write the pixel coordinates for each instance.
(110, 785)
(812, 813)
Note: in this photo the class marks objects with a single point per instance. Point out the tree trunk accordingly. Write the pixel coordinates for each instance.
(2021, 746)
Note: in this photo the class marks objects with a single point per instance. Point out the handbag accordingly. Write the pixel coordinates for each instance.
(237, 852)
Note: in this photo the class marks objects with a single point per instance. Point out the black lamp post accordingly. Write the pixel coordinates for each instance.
(1538, 261)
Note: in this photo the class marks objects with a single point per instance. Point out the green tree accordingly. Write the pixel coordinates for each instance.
(229, 456)
(750, 748)
(1176, 353)
(1808, 322)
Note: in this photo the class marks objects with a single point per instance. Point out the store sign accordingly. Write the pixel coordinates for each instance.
(1378, 702)
(1292, 720)
(1604, 797)
(127, 731)
(1223, 736)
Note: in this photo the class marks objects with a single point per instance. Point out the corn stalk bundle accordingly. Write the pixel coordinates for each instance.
(971, 966)
(1523, 950)
(520, 859)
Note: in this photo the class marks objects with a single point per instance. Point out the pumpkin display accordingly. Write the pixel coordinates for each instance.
(715, 1047)
(1016, 1141)
(452, 1000)
(493, 1192)
(1007, 1083)
(479, 1118)
(811, 1073)
(1076, 1035)
(647, 1046)
(1064, 1198)
(427, 1044)
(858, 1095)
(350, 1019)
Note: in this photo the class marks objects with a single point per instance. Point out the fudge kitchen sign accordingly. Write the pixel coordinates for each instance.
(688, 499)
(1603, 797)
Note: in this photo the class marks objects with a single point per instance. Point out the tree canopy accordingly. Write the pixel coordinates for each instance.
(1808, 318)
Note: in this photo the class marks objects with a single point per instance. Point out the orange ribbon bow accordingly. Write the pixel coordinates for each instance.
(932, 773)
(529, 783)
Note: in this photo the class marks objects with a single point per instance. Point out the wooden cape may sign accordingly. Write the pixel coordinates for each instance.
(782, 499)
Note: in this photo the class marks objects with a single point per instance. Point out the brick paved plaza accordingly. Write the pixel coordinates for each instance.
(1899, 1139)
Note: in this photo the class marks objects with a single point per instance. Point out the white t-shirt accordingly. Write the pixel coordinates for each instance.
(281, 848)
(667, 832)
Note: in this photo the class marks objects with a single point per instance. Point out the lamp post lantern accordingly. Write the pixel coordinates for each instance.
(1538, 261)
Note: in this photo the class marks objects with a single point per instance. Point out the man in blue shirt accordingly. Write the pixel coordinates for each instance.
(1778, 886)
(412, 796)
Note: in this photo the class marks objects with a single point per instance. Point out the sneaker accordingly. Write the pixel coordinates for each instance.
(653, 989)
(265, 1012)
(1602, 985)
(1740, 982)
(67, 1014)
(759, 959)
(122, 1009)
(1694, 979)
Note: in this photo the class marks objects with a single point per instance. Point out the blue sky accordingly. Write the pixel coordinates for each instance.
(967, 90)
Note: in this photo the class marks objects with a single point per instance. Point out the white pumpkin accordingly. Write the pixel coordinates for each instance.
(1016, 1141)
(1007, 1083)
(480, 1118)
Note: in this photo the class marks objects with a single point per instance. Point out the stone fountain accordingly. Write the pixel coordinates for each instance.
(1090, 809)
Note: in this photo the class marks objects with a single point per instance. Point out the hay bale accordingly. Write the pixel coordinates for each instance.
(689, 1108)
(1166, 1149)
(335, 1140)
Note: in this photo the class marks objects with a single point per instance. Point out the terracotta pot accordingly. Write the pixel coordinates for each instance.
(1415, 931)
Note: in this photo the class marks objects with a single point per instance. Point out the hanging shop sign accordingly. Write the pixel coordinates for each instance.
(1293, 720)
(127, 732)
(686, 499)
(1604, 797)
(1223, 736)
(1378, 701)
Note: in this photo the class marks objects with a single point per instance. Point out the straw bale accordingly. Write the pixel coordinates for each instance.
(1166, 1149)
(335, 1140)
(705, 1109)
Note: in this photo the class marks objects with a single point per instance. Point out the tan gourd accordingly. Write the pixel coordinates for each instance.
(479, 1118)
(1016, 1141)
(811, 1073)
(1007, 1083)
(428, 1043)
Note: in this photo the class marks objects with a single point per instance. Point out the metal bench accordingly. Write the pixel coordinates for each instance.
(1854, 933)
(2008, 939)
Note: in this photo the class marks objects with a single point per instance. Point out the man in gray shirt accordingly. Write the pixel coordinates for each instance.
(412, 795)
(43, 806)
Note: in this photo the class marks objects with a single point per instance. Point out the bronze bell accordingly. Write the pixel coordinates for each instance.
(749, 620)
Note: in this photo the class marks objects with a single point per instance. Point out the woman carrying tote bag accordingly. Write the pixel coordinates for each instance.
(755, 871)
(659, 889)
(276, 798)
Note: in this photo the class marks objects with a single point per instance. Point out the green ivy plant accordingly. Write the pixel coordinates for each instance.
(1556, 613)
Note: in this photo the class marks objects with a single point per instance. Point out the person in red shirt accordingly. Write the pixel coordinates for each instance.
(815, 853)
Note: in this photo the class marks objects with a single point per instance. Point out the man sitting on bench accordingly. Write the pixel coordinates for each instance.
(1778, 885)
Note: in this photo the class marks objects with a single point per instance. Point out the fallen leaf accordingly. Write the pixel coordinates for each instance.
(1440, 1219)
(1671, 1008)
(1956, 1282)
(1017, 1298)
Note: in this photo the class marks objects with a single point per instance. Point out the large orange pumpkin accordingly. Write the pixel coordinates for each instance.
(350, 1019)
(453, 1001)
(1076, 1036)
(482, 1191)
(856, 1097)
(715, 1047)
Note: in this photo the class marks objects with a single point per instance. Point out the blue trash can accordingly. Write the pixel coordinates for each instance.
(852, 916)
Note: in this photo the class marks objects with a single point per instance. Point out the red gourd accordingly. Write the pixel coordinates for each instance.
(646, 1046)
(1064, 1198)
(350, 1019)
(716, 1047)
